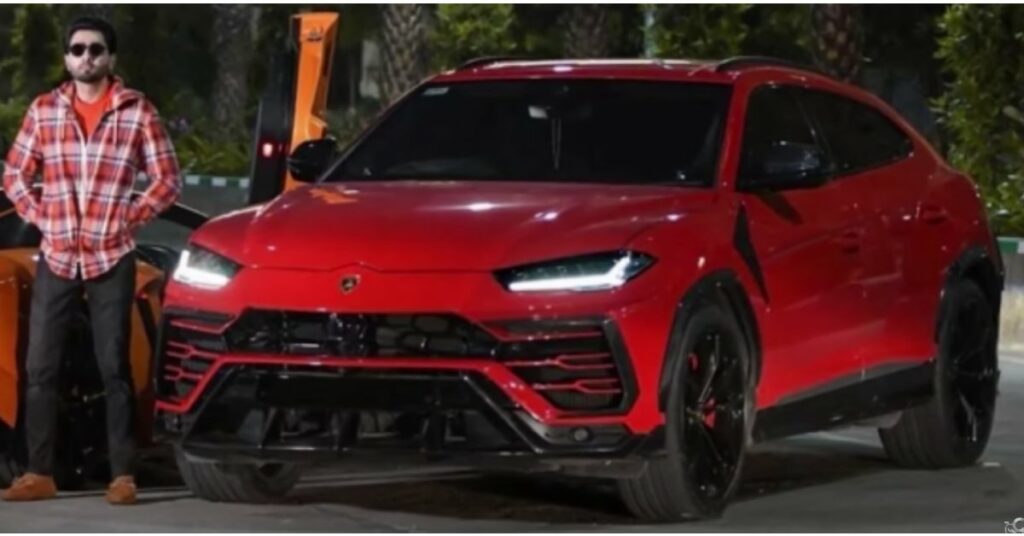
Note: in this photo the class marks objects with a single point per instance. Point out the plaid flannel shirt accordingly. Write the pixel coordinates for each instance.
(85, 209)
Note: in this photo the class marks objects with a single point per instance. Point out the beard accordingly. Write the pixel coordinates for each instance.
(91, 77)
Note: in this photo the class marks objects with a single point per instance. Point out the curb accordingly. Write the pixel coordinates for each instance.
(1011, 245)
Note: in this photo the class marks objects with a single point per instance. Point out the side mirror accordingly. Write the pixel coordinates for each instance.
(311, 158)
(788, 166)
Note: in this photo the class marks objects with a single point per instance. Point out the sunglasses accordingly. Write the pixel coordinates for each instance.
(95, 49)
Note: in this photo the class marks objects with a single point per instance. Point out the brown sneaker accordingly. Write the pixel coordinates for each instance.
(121, 491)
(31, 487)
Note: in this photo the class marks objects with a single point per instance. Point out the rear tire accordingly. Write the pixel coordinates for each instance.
(708, 420)
(10, 469)
(74, 463)
(80, 450)
(237, 482)
(953, 428)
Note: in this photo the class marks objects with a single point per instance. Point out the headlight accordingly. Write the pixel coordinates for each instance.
(202, 268)
(602, 271)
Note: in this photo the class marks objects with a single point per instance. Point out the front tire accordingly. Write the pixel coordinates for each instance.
(708, 417)
(237, 482)
(953, 428)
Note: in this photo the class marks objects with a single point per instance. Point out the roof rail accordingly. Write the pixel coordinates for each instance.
(739, 62)
(479, 62)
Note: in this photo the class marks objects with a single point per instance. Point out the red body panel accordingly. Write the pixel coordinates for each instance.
(853, 270)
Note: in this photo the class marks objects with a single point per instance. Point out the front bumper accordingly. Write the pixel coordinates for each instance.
(281, 386)
(281, 413)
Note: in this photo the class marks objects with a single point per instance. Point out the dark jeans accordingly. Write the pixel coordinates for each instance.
(54, 300)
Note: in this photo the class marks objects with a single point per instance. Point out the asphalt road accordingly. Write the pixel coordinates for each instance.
(836, 481)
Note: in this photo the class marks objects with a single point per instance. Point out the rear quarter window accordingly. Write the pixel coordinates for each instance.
(858, 136)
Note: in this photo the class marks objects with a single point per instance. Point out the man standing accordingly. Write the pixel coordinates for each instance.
(87, 139)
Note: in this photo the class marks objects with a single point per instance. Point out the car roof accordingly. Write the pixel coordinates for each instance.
(726, 71)
(729, 71)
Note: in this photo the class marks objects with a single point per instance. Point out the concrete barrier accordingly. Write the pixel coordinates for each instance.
(1011, 315)
(215, 195)
(210, 194)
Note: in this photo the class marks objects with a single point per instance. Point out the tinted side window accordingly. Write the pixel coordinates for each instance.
(858, 136)
(773, 118)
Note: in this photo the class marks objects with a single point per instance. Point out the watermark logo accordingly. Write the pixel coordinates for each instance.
(1016, 526)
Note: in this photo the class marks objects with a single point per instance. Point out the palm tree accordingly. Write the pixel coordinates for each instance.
(103, 11)
(404, 35)
(233, 45)
(838, 39)
(587, 31)
(33, 55)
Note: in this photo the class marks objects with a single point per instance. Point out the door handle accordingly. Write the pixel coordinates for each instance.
(933, 214)
(850, 240)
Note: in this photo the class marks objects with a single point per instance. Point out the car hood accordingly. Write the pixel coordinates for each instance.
(438, 225)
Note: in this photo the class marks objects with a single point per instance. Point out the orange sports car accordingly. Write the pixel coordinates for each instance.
(82, 449)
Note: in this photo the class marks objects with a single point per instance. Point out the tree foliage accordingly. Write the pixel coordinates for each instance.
(778, 30)
(699, 30)
(34, 63)
(981, 46)
(466, 31)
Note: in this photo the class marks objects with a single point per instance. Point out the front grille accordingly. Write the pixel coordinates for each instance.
(354, 335)
(190, 347)
(575, 365)
(572, 365)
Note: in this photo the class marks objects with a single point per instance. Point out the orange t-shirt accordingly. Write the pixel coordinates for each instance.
(89, 113)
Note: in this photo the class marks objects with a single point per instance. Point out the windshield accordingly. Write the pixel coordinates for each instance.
(547, 130)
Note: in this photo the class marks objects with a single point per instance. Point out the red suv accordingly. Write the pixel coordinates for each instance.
(624, 269)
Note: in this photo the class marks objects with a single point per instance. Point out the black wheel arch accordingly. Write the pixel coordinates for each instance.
(723, 285)
(977, 265)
